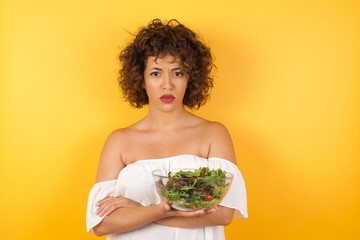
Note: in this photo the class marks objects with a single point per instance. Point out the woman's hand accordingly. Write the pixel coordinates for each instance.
(215, 216)
(108, 205)
(170, 212)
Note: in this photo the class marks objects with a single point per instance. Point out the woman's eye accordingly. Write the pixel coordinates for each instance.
(178, 74)
(155, 74)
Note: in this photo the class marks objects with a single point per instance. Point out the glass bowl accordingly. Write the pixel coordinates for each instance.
(192, 189)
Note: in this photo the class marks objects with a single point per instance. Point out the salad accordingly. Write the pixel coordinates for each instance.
(197, 189)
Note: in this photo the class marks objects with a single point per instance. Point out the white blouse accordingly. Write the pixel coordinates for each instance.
(135, 181)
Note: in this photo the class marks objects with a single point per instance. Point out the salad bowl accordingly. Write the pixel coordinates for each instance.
(192, 189)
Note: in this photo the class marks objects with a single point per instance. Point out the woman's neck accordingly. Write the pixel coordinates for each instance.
(162, 120)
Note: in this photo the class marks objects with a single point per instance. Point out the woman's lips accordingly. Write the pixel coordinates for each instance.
(167, 98)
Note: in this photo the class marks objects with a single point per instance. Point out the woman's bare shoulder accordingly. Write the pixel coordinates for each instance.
(119, 133)
(209, 128)
(121, 138)
(123, 133)
(215, 128)
(221, 144)
(117, 137)
(111, 161)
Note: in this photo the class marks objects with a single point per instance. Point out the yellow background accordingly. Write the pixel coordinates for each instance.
(287, 87)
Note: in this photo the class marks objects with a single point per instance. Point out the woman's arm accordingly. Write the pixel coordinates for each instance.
(221, 144)
(116, 210)
(221, 217)
(125, 219)
(110, 163)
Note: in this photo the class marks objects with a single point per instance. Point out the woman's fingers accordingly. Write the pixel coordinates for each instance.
(108, 205)
(212, 209)
(166, 206)
(101, 202)
(196, 213)
(105, 206)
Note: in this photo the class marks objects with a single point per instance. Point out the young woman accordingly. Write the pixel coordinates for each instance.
(167, 68)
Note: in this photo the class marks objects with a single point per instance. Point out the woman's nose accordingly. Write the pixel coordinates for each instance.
(167, 82)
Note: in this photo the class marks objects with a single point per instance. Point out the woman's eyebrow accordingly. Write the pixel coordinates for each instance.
(177, 68)
(160, 69)
(156, 68)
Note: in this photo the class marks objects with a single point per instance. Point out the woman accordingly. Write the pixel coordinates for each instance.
(168, 68)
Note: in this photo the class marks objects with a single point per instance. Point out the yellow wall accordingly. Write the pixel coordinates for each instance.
(287, 88)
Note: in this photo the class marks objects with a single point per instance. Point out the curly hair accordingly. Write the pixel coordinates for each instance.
(172, 38)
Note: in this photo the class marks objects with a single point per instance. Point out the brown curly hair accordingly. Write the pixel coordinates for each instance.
(160, 38)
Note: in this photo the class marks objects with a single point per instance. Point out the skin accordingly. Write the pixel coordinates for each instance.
(174, 131)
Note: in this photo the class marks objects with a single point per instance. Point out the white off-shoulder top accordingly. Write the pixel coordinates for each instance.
(135, 181)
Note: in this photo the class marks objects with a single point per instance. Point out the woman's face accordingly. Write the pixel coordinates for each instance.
(165, 82)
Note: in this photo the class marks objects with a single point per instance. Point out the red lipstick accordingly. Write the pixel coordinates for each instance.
(167, 98)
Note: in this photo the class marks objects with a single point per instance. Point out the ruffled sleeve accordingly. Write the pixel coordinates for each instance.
(236, 196)
(98, 192)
